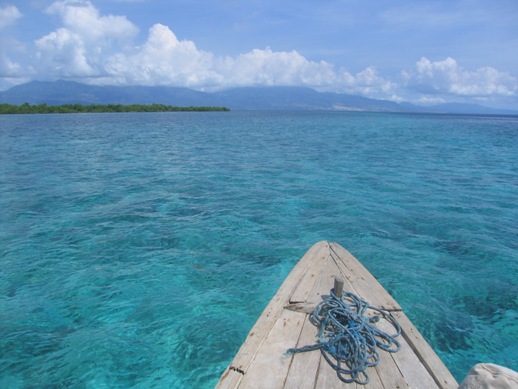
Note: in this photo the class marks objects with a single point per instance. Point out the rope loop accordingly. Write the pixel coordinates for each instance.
(348, 339)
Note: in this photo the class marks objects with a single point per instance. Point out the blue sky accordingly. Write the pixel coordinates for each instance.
(418, 51)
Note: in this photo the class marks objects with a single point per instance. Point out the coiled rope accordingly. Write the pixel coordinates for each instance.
(348, 339)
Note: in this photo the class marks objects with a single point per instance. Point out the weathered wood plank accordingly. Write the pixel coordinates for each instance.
(311, 274)
(375, 381)
(230, 379)
(327, 378)
(388, 370)
(391, 378)
(412, 369)
(407, 361)
(425, 353)
(324, 282)
(270, 365)
(304, 367)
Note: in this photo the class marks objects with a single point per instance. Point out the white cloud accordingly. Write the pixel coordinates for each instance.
(162, 60)
(446, 77)
(9, 14)
(369, 83)
(8, 67)
(65, 53)
(11, 72)
(81, 17)
(79, 48)
(266, 67)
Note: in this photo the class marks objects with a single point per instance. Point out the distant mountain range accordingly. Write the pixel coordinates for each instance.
(247, 98)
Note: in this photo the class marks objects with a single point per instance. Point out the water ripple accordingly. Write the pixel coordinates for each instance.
(125, 240)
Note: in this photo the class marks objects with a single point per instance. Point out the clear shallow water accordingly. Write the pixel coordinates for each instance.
(129, 243)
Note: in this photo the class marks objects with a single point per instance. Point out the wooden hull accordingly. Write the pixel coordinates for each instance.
(262, 361)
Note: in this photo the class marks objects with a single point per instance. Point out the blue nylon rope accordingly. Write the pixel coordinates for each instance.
(349, 340)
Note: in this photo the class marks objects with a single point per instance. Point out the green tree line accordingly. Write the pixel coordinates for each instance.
(27, 108)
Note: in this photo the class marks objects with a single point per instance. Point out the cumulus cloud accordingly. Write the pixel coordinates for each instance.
(369, 83)
(266, 67)
(81, 17)
(79, 48)
(9, 14)
(446, 77)
(161, 60)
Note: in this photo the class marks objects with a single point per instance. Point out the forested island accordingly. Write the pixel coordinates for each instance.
(27, 108)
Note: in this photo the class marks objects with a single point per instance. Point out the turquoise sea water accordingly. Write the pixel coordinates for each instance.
(137, 250)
